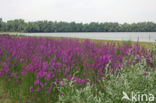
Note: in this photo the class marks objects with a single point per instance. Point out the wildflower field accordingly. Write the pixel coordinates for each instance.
(45, 70)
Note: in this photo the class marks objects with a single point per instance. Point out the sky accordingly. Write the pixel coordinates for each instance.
(84, 11)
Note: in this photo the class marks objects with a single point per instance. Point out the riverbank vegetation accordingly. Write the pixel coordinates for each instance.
(147, 45)
(19, 25)
(46, 70)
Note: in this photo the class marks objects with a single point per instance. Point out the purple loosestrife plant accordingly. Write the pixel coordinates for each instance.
(50, 60)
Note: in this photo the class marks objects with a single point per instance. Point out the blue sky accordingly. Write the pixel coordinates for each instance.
(79, 10)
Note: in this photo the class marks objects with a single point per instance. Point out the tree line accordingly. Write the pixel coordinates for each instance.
(19, 25)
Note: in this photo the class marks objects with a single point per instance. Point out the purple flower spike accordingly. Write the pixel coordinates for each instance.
(36, 82)
(31, 89)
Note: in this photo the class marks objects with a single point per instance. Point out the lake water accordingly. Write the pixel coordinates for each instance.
(133, 36)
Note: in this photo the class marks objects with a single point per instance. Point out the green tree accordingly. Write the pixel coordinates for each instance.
(19, 25)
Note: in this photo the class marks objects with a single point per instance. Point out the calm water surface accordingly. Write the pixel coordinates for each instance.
(133, 36)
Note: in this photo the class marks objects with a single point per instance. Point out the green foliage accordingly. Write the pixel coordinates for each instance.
(70, 94)
(136, 78)
(131, 78)
(18, 25)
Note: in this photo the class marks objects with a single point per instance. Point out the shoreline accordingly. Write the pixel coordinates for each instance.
(142, 43)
